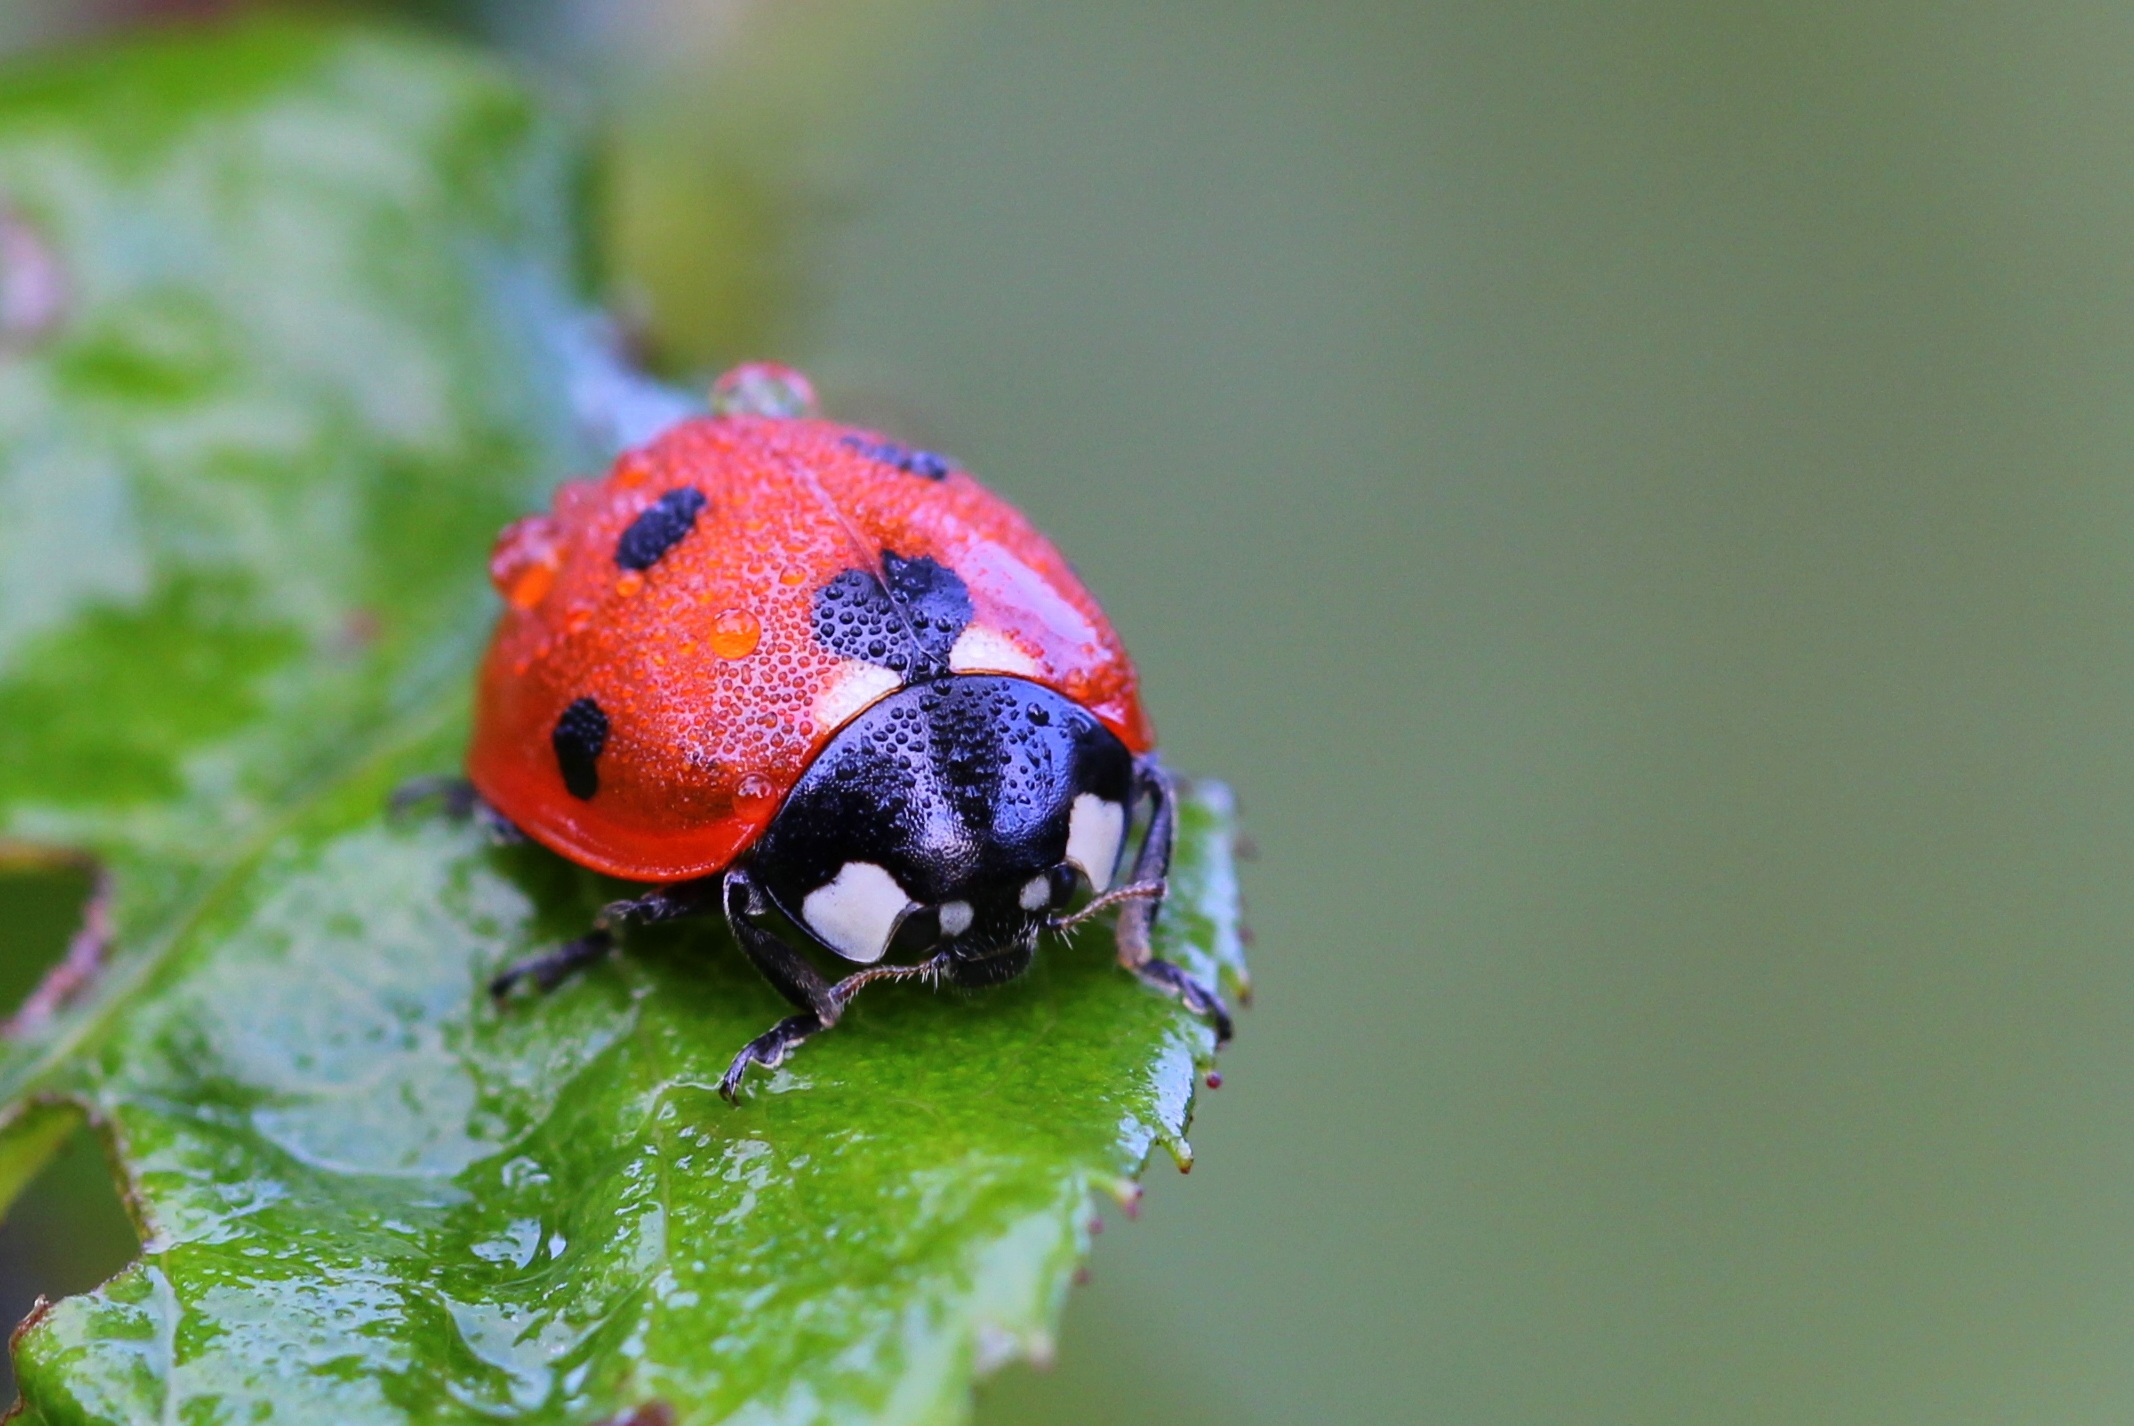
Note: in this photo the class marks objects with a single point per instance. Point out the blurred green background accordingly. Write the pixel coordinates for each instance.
(1639, 499)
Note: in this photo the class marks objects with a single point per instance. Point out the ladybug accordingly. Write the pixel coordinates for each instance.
(788, 671)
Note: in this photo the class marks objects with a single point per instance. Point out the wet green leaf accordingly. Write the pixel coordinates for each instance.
(295, 328)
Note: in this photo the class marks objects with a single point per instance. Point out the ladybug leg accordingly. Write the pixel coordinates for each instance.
(548, 969)
(789, 974)
(822, 1003)
(1162, 975)
(455, 795)
(1137, 917)
(459, 801)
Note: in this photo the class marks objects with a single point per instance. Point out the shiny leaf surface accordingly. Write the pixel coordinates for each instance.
(310, 334)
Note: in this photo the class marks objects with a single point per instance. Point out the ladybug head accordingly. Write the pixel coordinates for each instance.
(957, 814)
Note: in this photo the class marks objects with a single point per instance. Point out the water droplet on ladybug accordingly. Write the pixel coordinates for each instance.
(632, 469)
(754, 797)
(629, 582)
(763, 388)
(525, 559)
(575, 496)
(735, 634)
(793, 574)
(532, 586)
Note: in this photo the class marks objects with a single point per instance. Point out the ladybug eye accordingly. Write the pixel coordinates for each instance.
(924, 927)
(918, 933)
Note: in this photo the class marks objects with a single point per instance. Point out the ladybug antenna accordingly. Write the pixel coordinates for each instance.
(1138, 891)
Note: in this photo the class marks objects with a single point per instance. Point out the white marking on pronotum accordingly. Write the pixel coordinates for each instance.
(955, 917)
(1094, 831)
(982, 650)
(851, 687)
(857, 911)
(1035, 893)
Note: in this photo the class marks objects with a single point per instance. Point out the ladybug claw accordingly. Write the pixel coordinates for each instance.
(1163, 976)
(768, 1049)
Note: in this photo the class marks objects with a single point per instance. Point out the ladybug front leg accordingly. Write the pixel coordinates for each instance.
(822, 1003)
(789, 974)
(1137, 918)
(547, 970)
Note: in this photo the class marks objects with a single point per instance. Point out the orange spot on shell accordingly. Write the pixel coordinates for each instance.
(735, 634)
(524, 562)
(632, 469)
(532, 586)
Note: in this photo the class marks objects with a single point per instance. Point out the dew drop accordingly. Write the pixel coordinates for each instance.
(632, 469)
(754, 797)
(735, 634)
(793, 574)
(763, 388)
(524, 561)
(629, 582)
(532, 586)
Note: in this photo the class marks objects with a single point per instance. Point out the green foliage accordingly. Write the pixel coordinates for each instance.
(318, 342)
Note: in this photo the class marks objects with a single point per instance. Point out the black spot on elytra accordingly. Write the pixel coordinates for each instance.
(580, 734)
(906, 621)
(904, 458)
(659, 529)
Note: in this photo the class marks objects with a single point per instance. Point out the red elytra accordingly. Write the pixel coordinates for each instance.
(706, 665)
